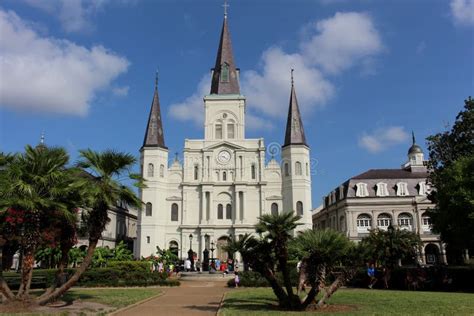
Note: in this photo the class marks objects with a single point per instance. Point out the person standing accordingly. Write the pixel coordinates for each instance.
(371, 274)
(236, 279)
(198, 266)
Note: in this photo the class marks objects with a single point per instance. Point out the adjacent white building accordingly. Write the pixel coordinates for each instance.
(379, 198)
(224, 182)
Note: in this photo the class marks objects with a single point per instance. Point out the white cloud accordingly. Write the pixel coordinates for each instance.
(121, 91)
(342, 41)
(46, 74)
(383, 138)
(192, 108)
(330, 46)
(74, 15)
(462, 11)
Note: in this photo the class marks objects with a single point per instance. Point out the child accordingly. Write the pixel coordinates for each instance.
(236, 279)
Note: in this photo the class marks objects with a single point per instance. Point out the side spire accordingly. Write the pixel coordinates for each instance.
(154, 131)
(225, 76)
(294, 134)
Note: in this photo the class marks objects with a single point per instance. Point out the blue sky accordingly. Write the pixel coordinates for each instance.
(366, 72)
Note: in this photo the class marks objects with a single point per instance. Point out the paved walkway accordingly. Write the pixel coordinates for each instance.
(192, 297)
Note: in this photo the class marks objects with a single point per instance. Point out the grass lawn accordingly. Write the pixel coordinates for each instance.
(97, 301)
(117, 298)
(262, 301)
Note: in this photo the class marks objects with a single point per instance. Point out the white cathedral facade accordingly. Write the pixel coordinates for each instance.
(224, 182)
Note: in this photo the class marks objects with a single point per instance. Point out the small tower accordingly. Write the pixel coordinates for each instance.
(296, 165)
(415, 157)
(154, 167)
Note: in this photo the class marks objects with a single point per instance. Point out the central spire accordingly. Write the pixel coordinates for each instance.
(225, 76)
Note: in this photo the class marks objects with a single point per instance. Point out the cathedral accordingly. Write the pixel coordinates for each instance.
(223, 183)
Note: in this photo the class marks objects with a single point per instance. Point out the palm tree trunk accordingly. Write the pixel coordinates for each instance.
(283, 298)
(311, 295)
(331, 290)
(26, 271)
(44, 299)
(60, 277)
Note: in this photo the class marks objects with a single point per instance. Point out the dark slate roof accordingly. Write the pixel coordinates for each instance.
(225, 57)
(390, 174)
(154, 130)
(294, 134)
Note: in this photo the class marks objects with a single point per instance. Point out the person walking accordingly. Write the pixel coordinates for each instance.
(371, 274)
(236, 279)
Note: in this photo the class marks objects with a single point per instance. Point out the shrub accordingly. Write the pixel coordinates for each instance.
(255, 279)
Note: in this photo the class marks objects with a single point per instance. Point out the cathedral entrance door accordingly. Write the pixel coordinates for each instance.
(222, 254)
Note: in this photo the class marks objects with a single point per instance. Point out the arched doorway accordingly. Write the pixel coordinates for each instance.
(432, 254)
(174, 248)
(221, 253)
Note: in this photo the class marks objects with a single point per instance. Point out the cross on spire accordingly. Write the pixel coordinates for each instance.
(225, 5)
(156, 79)
(292, 81)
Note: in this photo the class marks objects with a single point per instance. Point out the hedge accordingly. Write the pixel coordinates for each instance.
(124, 273)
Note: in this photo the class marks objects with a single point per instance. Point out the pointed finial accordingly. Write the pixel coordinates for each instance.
(225, 5)
(413, 137)
(42, 138)
(156, 79)
(292, 81)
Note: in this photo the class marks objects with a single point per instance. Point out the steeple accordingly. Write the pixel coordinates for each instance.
(225, 77)
(154, 131)
(294, 125)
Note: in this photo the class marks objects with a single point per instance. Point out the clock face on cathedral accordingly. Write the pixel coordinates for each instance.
(223, 157)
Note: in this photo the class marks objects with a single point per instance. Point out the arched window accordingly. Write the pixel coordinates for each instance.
(230, 131)
(196, 172)
(364, 223)
(225, 72)
(218, 131)
(298, 170)
(253, 171)
(224, 176)
(299, 208)
(426, 222)
(228, 211)
(361, 190)
(287, 169)
(151, 170)
(402, 189)
(148, 209)
(148, 239)
(382, 189)
(162, 171)
(274, 209)
(383, 221)
(174, 212)
(220, 211)
(405, 221)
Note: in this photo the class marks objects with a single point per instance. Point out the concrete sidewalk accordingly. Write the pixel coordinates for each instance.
(192, 297)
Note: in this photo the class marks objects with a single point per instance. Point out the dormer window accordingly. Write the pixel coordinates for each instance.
(382, 189)
(361, 190)
(402, 189)
(422, 188)
(225, 73)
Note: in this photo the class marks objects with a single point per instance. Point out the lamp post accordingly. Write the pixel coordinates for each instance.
(213, 264)
(191, 252)
(205, 253)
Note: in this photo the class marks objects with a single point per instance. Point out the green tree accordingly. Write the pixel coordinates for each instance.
(104, 172)
(389, 247)
(451, 163)
(35, 191)
(268, 254)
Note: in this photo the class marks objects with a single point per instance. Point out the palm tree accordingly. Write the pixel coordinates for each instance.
(104, 173)
(278, 230)
(34, 186)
